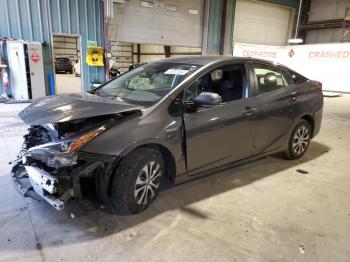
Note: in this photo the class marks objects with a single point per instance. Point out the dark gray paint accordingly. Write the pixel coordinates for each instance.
(53, 109)
(219, 135)
(213, 136)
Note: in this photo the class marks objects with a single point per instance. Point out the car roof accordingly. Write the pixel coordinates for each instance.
(203, 60)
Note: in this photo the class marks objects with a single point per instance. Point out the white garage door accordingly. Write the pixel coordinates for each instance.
(66, 46)
(176, 22)
(261, 23)
(122, 55)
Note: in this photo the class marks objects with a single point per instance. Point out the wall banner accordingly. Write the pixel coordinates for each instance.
(327, 63)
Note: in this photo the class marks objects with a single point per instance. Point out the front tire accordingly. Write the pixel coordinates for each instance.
(299, 140)
(137, 181)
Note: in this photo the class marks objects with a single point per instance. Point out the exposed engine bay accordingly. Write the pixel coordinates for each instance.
(50, 165)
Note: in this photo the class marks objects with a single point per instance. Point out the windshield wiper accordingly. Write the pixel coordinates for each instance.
(98, 93)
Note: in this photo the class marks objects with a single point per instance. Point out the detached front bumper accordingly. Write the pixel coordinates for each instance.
(36, 183)
(58, 187)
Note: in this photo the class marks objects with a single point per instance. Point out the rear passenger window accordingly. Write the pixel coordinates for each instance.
(269, 78)
(216, 75)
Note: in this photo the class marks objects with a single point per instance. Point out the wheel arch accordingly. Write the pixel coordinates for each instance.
(311, 121)
(168, 158)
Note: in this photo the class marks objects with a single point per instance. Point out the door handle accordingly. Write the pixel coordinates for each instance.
(249, 111)
(293, 99)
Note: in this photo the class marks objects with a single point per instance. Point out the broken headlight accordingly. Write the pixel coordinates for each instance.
(62, 153)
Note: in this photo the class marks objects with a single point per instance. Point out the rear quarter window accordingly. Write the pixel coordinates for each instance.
(288, 78)
(298, 78)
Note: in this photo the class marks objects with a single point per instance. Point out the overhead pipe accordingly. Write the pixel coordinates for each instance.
(298, 19)
(296, 40)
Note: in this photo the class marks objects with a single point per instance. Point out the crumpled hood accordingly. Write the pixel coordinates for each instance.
(63, 108)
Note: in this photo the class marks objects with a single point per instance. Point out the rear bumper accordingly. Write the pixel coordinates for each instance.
(63, 68)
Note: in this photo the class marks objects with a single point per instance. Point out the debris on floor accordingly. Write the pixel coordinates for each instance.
(302, 171)
(331, 94)
(301, 249)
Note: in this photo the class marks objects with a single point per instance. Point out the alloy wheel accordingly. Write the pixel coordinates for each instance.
(301, 140)
(147, 183)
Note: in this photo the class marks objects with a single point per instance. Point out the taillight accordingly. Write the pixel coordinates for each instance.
(318, 85)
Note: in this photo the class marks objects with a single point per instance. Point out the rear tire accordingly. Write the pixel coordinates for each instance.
(136, 181)
(299, 140)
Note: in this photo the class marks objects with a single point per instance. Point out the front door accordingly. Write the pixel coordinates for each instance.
(224, 133)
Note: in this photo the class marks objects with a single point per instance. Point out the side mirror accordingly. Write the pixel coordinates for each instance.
(207, 99)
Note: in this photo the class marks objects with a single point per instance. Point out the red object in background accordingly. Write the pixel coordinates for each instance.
(291, 53)
(5, 79)
(35, 57)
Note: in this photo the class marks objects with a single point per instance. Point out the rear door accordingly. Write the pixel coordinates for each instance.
(220, 134)
(277, 100)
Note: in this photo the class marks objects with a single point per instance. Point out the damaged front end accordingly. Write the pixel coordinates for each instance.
(52, 167)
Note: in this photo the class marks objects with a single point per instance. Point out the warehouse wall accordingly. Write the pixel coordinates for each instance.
(326, 10)
(323, 36)
(31, 20)
(217, 38)
(156, 24)
(155, 52)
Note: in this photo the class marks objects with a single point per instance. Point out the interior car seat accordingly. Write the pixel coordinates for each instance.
(206, 84)
(270, 82)
(231, 87)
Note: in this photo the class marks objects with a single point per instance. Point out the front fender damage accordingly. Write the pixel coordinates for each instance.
(52, 168)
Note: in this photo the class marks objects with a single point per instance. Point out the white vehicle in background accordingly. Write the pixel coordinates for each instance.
(76, 69)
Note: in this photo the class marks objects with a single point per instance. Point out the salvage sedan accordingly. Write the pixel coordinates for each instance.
(164, 122)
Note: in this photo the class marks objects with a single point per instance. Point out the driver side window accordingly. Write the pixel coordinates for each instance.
(227, 81)
(191, 92)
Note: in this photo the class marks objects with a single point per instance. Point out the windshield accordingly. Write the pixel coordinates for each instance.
(147, 84)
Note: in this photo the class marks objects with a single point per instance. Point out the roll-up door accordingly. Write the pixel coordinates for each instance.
(261, 23)
(177, 22)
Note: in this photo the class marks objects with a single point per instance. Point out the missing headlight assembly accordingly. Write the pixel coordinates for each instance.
(50, 165)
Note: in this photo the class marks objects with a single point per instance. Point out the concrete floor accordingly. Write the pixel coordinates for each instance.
(67, 83)
(263, 211)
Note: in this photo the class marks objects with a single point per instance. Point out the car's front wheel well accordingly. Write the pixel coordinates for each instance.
(169, 162)
(310, 120)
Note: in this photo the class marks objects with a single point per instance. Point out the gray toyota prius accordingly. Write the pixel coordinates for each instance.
(163, 123)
